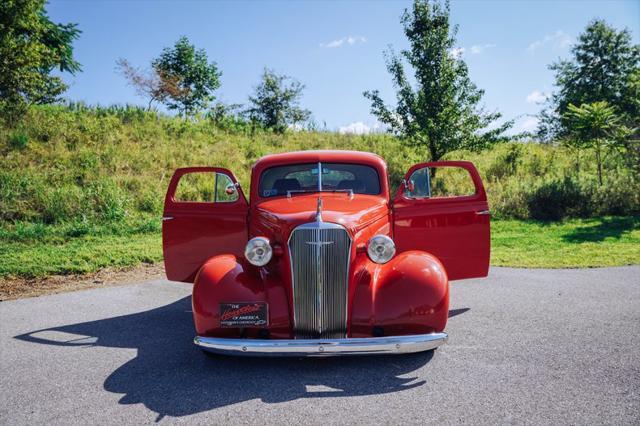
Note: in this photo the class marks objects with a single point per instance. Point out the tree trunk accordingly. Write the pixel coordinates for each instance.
(599, 161)
(435, 156)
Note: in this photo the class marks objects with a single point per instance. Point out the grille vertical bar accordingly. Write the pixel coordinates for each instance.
(319, 254)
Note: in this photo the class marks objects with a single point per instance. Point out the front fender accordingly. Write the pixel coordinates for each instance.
(407, 295)
(226, 279)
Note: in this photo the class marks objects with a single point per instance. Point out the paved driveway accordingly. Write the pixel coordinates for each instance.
(526, 346)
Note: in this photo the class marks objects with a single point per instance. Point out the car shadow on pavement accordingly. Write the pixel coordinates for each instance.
(456, 312)
(173, 377)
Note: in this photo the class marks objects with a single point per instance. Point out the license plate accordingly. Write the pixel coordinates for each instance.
(252, 314)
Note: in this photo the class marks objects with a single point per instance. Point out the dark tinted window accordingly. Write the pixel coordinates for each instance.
(304, 177)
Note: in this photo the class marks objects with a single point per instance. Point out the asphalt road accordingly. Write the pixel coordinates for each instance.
(526, 346)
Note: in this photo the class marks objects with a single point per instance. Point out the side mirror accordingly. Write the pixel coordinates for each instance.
(230, 189)
(418, 184)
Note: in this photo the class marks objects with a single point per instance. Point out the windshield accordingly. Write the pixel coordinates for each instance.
(299, 178)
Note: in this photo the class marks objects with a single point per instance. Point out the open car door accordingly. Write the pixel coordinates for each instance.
(441, 208)
(205, 214)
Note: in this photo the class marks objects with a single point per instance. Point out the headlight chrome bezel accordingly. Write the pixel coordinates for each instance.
(381, 249)
(258, 251)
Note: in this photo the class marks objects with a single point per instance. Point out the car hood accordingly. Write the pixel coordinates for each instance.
(280, 215)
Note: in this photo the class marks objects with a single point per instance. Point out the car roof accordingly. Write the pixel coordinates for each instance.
(323, 155)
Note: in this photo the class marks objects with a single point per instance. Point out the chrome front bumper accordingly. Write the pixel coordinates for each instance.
(323, 347)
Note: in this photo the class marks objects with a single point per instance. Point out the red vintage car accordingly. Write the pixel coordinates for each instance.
(322, 259)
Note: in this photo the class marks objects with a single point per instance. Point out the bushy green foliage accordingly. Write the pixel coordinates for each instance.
(441, 111)
(18, 140)
(31, 47)
(597, 126)
(533, 181)
(555, 199)
(114, 163)
(275, 104)
(604, 66)
(188, 79)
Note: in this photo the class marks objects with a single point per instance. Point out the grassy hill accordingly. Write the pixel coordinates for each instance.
(82, 188)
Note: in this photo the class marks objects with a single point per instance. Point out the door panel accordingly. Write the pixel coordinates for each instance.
(205, 214)
(451, 223)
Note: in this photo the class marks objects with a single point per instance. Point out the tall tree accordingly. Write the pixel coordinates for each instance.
(193, 78)
(603, 67)
(596, 126)
(31, 47)
(440, 111)
(276, 102)
(150, 84)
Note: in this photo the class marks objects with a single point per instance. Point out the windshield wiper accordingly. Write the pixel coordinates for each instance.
(296, 191)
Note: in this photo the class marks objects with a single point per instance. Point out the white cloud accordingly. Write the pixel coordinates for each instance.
(479, 48)
(557, 40)
(350, 40)
(360, 128)
(537, 97)
(353, 40)
(357, 128)
(529, 124)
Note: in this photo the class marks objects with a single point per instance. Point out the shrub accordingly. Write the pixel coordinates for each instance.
(506, 162)
(18, 140)
(59, 203)
(508, 199)
(108, 201)
(619, 196)
(555, 199)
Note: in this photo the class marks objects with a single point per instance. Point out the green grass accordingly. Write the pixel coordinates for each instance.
(575, 243)
(36, 250)
(28, 250)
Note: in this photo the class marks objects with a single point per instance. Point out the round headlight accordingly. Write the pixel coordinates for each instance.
(381, 249)
(258, 251)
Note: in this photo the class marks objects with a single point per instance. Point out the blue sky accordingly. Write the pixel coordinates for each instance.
(333, 47)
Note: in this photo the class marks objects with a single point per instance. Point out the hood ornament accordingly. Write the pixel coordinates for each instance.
(319, 210)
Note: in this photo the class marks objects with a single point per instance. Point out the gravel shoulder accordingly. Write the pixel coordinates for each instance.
(16, 288)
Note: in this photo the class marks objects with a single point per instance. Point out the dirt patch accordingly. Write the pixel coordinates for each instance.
(16, 288)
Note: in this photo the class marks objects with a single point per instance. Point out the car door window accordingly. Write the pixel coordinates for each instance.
(439, 182)
(451, 182)
(205, 187)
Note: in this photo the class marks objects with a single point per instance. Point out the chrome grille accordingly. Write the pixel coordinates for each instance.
(319, 254)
